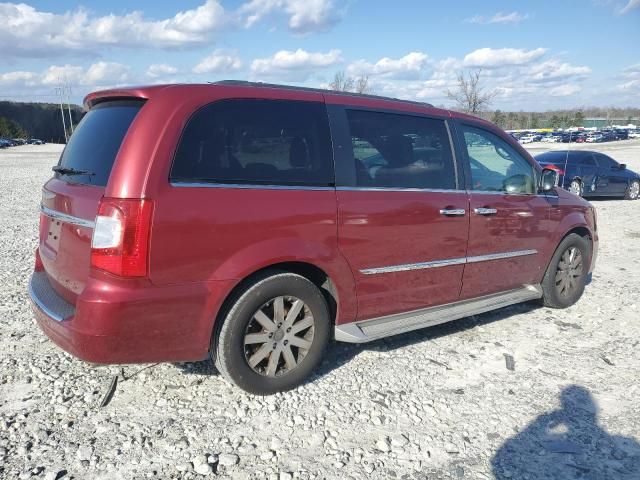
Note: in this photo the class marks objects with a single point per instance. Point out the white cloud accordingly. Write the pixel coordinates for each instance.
(554, 70)
(407, 67)
(565, 90)
(512, 18)
(500, 57)
(294, 65)
(158, 70)
(305, 16)
(26, 31)
(95, 75)
(218, 62)
(632, 5)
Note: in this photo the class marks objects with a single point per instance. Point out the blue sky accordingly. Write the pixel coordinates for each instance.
(535, 55)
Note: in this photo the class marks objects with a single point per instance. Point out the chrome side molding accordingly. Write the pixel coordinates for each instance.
(64, 217)
(376, 328)
(447, 262)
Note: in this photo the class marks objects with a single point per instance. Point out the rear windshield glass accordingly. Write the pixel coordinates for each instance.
(95, 142)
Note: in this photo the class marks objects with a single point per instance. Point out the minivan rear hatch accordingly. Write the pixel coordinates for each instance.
(70, 199)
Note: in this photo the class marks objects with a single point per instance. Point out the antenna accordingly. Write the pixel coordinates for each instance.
(60, 92)
(67, 89)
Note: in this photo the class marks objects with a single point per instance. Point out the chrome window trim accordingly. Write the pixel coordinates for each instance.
(448, 262)
(493, 192)
(64, 217)
(396, 189)
(248, 186)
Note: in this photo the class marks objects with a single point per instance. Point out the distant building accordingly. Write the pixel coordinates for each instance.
(604, 122)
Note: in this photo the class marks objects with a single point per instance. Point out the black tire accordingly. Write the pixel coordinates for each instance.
(554, 279)
(633, 190)
(232, 355)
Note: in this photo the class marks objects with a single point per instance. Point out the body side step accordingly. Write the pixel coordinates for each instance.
(373, 329)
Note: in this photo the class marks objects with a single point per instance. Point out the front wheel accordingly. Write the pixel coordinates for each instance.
(274, 334)
(633, 190)
(566, 275)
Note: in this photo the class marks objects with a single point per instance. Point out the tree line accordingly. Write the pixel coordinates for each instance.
(35, 120)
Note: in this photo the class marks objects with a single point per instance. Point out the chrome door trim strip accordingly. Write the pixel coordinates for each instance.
(80, 222)
(375, 328)
(414, 266)
(500, 256)
(248, 186)
(447, 262)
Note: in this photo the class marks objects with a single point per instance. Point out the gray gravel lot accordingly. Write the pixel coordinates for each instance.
(434, 404)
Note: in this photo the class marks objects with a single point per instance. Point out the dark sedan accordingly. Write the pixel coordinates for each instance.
(592, 174)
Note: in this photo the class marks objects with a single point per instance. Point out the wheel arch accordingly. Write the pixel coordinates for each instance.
(316, 275)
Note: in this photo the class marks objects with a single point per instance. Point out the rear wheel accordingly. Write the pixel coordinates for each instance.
(633, 190)
(566, 275)
(274, 334)
(576, 187)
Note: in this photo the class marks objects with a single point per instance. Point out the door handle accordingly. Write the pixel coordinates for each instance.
(485, 211)
(453, 212)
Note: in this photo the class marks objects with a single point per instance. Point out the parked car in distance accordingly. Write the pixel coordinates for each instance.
(590, 174)
(266, 220)
(35, 141)
(594, 138)
(4, 143)
(634, 134)
(527, 139)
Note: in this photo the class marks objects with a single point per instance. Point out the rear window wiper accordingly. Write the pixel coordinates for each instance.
(70, 171)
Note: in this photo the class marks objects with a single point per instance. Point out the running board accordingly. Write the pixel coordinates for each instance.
(375, 328)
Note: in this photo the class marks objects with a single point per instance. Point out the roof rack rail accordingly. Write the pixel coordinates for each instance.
(244, 83)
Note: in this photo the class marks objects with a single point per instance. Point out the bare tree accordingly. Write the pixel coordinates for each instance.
(363, 85)
(342, 83)
(469, 93)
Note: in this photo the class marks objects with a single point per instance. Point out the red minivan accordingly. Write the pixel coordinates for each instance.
(255, 222)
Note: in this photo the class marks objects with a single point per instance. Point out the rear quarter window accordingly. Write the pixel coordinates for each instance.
(261, 142)
(94, 145)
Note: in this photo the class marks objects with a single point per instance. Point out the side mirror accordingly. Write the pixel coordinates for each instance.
(623, 166)
(549, 180)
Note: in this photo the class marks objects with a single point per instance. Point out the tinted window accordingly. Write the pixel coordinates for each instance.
(400, 151)
(557, 158)
(604, 161)
(270, 142)
(589, 161)
(495, 165)
(96, 140)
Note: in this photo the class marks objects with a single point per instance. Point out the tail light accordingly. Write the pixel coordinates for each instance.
(120, 243)
(557, 169)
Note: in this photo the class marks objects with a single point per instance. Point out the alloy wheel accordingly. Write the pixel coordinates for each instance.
(634, 190)
(576, 187)
(569, 272)
(278, 336)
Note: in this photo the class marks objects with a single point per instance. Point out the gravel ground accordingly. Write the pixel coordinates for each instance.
(439, 403)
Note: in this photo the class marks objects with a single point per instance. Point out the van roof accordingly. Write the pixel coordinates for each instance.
(148, 91)
(331, 96)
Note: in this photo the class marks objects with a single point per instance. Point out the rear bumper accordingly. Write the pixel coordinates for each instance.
(123, 321)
